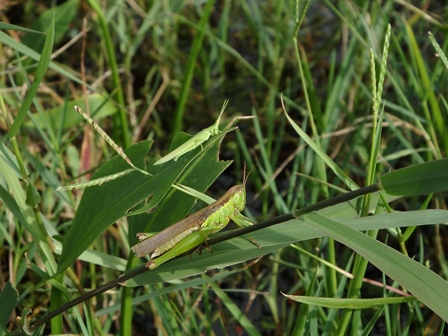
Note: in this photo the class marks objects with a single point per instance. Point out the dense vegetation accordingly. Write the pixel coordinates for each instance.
(327, 98)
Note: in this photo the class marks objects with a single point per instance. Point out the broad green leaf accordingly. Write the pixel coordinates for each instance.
(63, 16)
(101, 206)
(421, 179)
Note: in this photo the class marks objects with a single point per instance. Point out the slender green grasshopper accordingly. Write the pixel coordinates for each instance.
(195, 141)
(193, 230)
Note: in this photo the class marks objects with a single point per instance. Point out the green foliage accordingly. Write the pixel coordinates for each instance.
(419, 179)
(342, 95)
(62, 15)
(9, 299)
(102, 205)
(40, 72)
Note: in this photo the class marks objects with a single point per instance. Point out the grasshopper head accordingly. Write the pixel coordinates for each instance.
(238, 197)
(235, 197)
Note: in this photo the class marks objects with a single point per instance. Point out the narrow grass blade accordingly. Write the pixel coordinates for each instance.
(330, 163)
(248, 327)
(40, 72)
(191, 64)
(349, 303)
(8, 26)
(436, 117)
(412, 275)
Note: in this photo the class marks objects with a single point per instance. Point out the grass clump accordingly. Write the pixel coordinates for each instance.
(332, 104)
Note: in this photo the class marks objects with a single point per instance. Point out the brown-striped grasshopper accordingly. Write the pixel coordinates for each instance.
(193, 230)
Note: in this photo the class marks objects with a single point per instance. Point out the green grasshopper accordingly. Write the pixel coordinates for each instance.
(193, 230)
(195, 141)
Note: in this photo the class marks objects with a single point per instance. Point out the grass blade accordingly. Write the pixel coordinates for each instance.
(40, 72)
